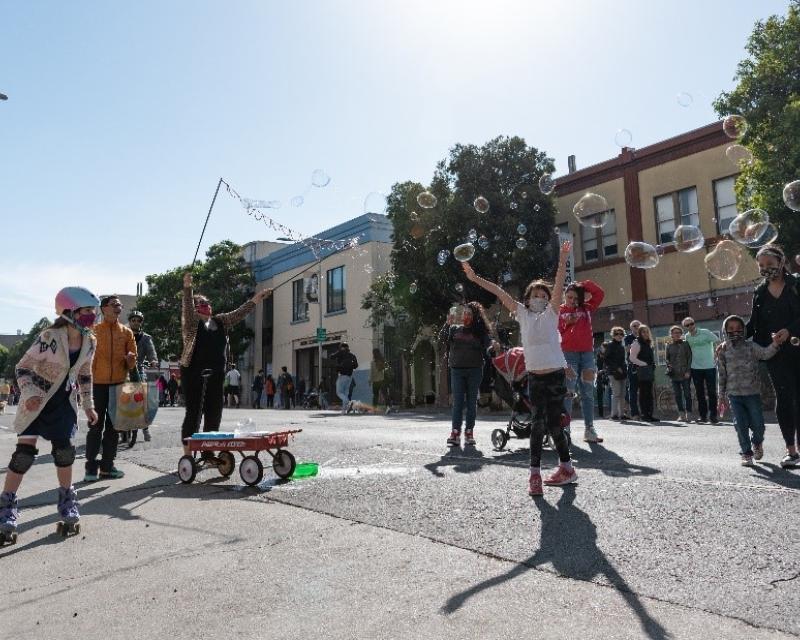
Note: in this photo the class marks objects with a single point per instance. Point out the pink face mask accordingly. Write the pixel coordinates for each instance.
(85, 320)
(203, 309)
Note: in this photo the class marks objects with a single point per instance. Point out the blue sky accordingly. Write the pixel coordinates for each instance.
(122, 116)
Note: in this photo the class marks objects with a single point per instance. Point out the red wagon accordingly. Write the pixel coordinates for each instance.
(248, 446)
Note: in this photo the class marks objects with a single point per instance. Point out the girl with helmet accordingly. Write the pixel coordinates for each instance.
(55, 370)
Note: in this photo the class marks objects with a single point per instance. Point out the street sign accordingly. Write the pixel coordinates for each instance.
(322, 334)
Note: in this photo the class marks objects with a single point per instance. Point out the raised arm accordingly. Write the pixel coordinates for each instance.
(189, 316)
(237, 315)
(596, 294)
(561, 276)
(507, 301)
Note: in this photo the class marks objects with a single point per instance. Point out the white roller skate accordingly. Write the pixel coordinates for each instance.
(8, 518)
(68, 510)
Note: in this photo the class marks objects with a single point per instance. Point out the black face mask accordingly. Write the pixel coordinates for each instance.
(735, 336)
(770, 273)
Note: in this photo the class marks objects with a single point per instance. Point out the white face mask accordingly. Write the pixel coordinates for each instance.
(537, 305)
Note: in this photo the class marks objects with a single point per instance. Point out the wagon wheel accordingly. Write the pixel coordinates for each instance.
(251, 470)
(499, 439)
(187, 469)
(665, 400)
(283, 463)
(227, 463)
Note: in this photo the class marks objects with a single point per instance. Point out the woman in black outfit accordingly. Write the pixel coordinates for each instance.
(616, 369)
(776, 310)
(641, 354)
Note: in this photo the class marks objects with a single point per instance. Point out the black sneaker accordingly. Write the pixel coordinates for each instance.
(791, 461)
(455, 438)
(714, 421)
(702, 421)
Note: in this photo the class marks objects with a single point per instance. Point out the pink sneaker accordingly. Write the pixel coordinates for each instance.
(535, 485)
(562, 476)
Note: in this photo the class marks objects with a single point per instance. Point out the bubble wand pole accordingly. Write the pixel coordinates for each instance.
(202, 233)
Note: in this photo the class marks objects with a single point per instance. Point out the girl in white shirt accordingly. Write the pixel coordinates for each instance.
(537, 315)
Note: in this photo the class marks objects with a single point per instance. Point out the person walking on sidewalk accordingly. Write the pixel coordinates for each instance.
(286, 387)
(346, 363)
(114, 358)
(581, 299)
(704, 369)
(537, 315)
(205, 336)
(54, 373)
(145, 355)
(466, 344)
(172, 388)
(617, 371)
(740, 382)
(269, 386)
(233, 381)
(679, 371)
(642, 356)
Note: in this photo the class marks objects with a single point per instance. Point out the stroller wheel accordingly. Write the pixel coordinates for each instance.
(499, 439)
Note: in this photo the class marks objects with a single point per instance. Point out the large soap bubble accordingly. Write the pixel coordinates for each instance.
(688, 238)
(684, 99)
(723, 262)
(739, 155)
(375, 203)
(747, 227)
(426, 200)
(623, 138)
(481, 204)
(734, 126)
(641, 255)
(791, 195)
(464, 252)
(763, 233)
(591, 210)
(319, 178)
(546, 184)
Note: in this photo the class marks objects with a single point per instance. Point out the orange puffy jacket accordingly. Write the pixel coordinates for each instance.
(114, 341)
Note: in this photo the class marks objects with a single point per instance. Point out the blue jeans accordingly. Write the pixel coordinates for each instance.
(747, 416)
(464, 383)
(343, 388)
(705, 380)
(580, 361)
(683, 394)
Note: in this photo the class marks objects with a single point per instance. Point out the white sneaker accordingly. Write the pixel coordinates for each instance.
(590, 435)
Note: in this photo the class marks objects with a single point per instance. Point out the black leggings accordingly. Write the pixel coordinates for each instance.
(784, 371)
(192, 387)
(547, 392)
(646, 399)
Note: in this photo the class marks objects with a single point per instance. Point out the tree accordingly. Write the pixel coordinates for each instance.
(16, 352)
(224, 277)
(3, 360)
(768, 96)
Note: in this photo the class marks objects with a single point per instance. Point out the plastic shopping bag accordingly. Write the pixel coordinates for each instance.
(133, 405)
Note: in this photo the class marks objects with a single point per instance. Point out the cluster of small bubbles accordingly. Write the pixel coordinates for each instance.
(506, 275)
(749, 226)
(794, 341)
(591, 210)
(546, 184)
(297, 201)
(514, 206)
(791, 195)
(641, 255)
(688, 238)
(739, 155)
(375, 202)
(368, 268)
(684, 99)
(472, 235)
(442, 257)
(481, 204)
(522, 229)
(319, 178)
(463, 252)
(483, 242)
(723, 262)
(426, 200)
(623, 138)
(521, 243)
(734, 126)
(412, 288)
(459, 287)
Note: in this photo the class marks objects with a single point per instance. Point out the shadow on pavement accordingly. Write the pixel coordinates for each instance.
(466, 460)
(568, 543)
(777, 474)
(610, 463)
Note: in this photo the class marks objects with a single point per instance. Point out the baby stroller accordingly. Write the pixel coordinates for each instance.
(512, 387)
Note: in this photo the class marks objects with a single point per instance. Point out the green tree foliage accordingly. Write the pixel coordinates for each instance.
(3, 360)
(16, 352)
(224, 278)
(768, 96)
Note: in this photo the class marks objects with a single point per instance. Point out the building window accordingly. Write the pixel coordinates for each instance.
(674, 209)
(335, 290)
(680, 310)
(299, 304)
(599, 244)
(725, 203)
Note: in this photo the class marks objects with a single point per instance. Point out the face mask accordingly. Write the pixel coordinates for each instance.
(735, 336)
(467, 321)
(770, 273)
(537, 305)
(204, 309)
(86, 320)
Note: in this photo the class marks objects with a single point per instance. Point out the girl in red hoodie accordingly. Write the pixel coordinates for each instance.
(577, 342)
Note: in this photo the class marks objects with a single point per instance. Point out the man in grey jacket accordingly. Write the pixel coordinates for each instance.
(679, 371)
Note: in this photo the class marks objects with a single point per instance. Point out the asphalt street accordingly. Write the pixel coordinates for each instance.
(665, 535)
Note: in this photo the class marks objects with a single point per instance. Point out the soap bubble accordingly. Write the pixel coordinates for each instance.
(481, 204)
(734, 126)
(413, 216)
(791, 195)
(464, 252)
(426, 200)
(641, 255)
(459, 287)
(739, 155)
(546, 184)
(472, 236)
(536, 207)
(748, 226)
(247, 422)
(521, 243)
(368, 268)
(623, 138)
(375, 203)
(794, 341)
(412, 288)
(319, 178)
(684, 99)
(514, 205)
(591, 210)
(688, 238)
(763, 233)
(483, 242)
(297, 201)
(723, 262)
(522, 229)
(442, 257)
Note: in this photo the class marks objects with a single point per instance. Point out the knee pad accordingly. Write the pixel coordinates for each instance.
(22, 458)
(63, 454)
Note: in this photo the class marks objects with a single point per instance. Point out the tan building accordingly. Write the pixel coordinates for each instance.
(688, 180)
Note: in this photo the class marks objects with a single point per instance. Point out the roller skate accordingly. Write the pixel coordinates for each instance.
(68, 510)
(8, 518)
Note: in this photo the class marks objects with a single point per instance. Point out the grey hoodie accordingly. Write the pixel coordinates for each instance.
(738, 365)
